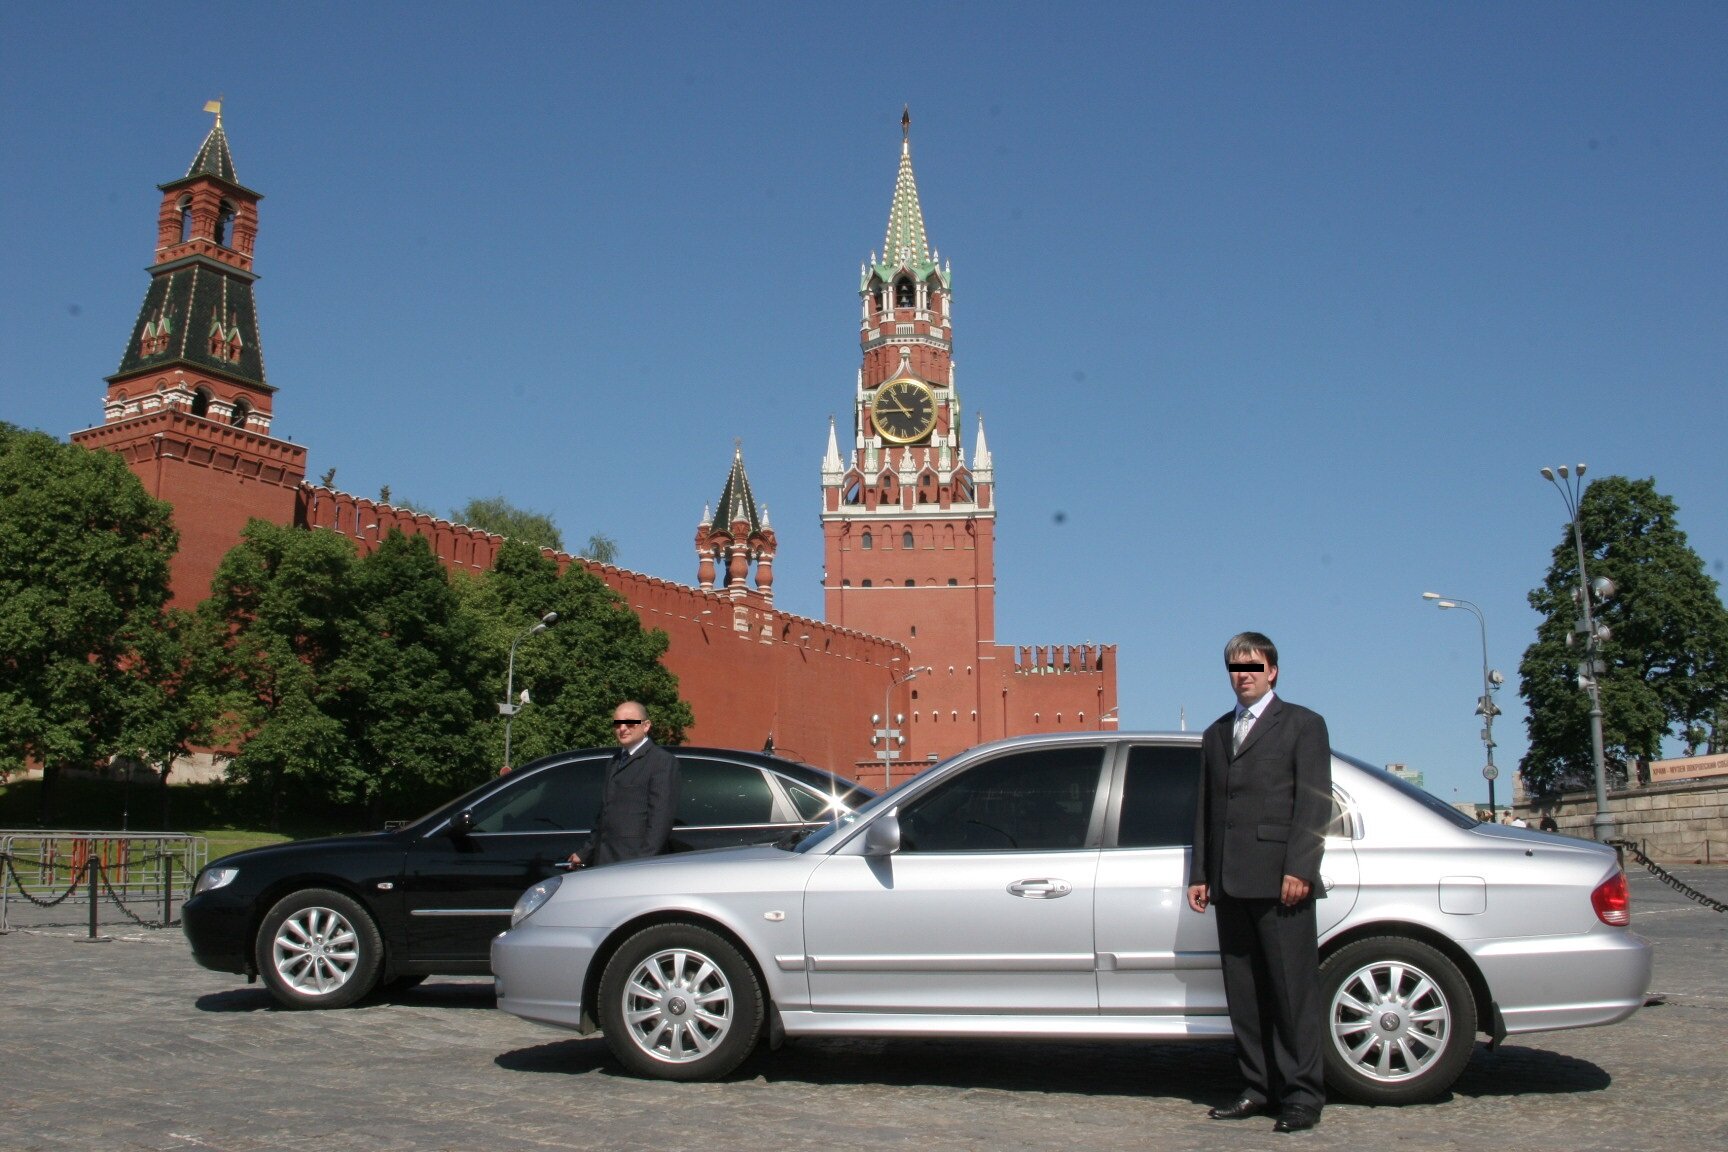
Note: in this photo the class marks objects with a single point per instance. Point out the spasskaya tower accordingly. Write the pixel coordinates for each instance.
(909, 518)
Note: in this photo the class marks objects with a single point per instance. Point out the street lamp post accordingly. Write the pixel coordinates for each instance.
(887, 728)
(1590, 666)
(1491, 681)
(510, 706)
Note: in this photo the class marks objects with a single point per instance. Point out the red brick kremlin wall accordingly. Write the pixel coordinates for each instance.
(748, 671)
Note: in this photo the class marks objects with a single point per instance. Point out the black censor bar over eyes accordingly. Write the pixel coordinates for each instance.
(1247, 667)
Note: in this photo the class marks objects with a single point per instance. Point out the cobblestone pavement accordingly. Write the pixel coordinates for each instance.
(129, 1045)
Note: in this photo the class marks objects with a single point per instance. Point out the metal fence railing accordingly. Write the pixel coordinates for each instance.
(66, 878)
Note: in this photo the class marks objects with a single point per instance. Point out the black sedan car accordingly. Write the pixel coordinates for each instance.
(326, 921)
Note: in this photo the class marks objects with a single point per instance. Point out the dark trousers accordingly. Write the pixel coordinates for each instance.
(1271, 962)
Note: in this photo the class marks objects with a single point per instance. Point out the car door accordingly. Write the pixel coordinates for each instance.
(458, 890)
(1155, 954)
(985, 907)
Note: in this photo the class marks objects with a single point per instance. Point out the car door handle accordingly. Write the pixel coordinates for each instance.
(1040, 889)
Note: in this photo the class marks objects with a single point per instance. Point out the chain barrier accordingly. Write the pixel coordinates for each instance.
(1669, 878)
(159, 874)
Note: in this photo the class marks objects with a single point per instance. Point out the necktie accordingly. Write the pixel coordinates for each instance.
(1244, 721)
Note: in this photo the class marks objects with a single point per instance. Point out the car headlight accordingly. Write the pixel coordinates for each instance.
(530, 901)
(213, 878)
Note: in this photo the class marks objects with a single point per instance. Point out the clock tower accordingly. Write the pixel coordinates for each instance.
(908, 517)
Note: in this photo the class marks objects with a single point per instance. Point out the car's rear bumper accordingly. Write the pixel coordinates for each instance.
(1541, 983)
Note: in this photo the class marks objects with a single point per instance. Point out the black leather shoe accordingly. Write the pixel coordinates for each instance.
(1296, 1118)
(1242, 1109)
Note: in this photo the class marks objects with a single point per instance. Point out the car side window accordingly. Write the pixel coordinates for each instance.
(562, 798)
(811, 805)
(721, 792)
(1159, 793)
(1037, 800)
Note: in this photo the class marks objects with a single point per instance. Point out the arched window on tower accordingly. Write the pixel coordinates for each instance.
(201, 402)
(185, 206)
(867, 541)
(854, 493)
(906, 540)
(242, 411)
(225, 224)
(905, 295)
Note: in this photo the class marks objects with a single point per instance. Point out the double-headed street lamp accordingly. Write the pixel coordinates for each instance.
(511, 705)
(1491, 681)
(1592, 634)
(887, 729)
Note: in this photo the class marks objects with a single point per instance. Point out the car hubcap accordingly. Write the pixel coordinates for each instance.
(1390, 1020)
(678, 1005)
(316, 951)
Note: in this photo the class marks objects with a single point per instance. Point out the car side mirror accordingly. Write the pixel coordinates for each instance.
(461, 825)
(882, 838)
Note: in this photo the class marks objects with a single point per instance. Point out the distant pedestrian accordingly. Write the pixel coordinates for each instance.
(1548, 823)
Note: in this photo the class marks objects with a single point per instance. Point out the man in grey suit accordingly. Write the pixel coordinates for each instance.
(640, 795)
(1259, 829)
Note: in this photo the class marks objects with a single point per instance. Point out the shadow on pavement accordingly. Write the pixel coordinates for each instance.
(443, 995)
(564, 1057)
(1514, 1070)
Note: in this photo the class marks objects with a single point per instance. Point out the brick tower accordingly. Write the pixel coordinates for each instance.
(908, 519)
(189, 408)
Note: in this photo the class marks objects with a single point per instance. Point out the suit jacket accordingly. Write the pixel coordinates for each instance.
(1263, 811)
(636, 807)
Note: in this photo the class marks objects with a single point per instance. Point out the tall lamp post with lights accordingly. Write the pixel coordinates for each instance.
(887, 737)
(511, 705)
(1590, 636)
(1491, 681)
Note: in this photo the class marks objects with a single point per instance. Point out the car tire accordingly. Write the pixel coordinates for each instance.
(318, 949)
(1400, 1021)
(679, 1002)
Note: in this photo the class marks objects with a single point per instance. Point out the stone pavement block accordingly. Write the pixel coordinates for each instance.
(129, 1045)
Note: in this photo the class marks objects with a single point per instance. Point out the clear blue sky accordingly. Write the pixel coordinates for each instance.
(1273, 311)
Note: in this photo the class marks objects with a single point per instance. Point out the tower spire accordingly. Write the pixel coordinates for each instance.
(906, 245)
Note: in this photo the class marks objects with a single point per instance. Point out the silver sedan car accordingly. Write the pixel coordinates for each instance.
(1036, 887)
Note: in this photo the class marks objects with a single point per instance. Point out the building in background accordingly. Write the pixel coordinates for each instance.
(908, 516)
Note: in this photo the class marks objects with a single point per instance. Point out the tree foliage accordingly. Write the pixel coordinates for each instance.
(84, 555)
(1667, 655)
(577, 671)
(601, 548)
(374, 682)
(502, 518)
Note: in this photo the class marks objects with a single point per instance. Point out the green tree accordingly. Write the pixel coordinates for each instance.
(577, 671)
(502, 518)
(1666, 657)
(280, 600)
(84, 555)
(410, 685)
(601, 548)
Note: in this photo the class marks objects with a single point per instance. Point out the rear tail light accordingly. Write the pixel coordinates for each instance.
(1613, 901)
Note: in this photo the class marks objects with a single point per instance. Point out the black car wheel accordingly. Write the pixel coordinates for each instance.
(318, 949)
(1401, 1021)
(678, 1002)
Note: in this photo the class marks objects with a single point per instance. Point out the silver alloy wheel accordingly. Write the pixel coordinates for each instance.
(677, 1005)
(315, 951)
(1390, 1020)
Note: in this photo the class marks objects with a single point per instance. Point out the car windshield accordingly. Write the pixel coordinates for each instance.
(1423, 797)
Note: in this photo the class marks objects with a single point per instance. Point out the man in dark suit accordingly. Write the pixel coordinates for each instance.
(640, 795)
(1265, 801)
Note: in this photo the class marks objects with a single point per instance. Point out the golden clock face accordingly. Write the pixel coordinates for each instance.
(904, 410)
